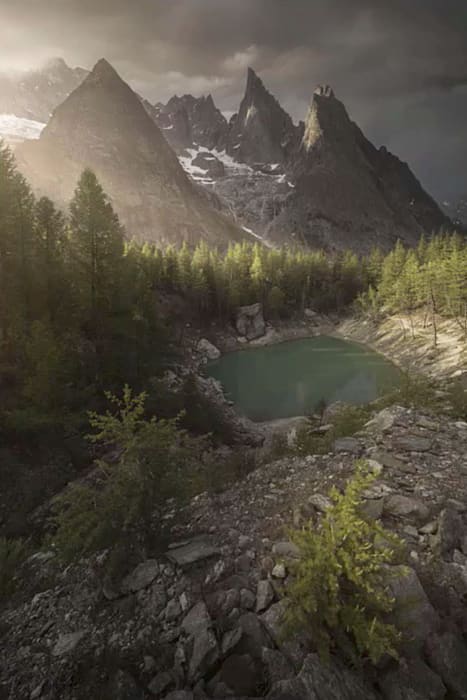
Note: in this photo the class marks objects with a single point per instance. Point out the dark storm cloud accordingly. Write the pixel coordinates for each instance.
(400, 65)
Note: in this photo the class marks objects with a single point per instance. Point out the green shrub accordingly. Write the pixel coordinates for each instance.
(346, 422)
(12, 555)
(156, 460)
(338, 593)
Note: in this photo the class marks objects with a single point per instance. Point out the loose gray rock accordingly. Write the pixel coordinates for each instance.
(450, 532)
(208, 350)
(141, 577)
(197, 549)
(230, 640)
(161, 682)
(278, 668)
(405, 506)
(197, 619)
(412, 680)
(279, 571)
(413, 613)
(347, 444)
(247, 599)
(412, 443)
(288, 550)
(205, 654)
(242, 675)
(447, 654)
(66, 643)
(254, 636)
(264, 595)
(318, 681)
(320, 502)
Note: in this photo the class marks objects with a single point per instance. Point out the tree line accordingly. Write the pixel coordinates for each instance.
(430, 280)
(79, 312)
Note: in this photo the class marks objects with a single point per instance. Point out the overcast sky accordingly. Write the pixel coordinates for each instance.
(400, 66)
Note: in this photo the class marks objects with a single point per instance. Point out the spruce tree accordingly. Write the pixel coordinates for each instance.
(96, 250)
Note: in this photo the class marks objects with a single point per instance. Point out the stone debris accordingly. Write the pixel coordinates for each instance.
(205, 619)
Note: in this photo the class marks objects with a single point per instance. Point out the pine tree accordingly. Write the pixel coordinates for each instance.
(96, 250)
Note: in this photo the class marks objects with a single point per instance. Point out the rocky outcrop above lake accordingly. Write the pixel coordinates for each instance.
(250, 323)
(203, 619)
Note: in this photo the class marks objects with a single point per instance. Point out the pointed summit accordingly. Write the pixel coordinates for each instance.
(104, 125)
(104, 73)
(348, 194)
(262, 131)
(327, 118)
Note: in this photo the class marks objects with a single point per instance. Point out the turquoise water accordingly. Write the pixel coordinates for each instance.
(290, 379)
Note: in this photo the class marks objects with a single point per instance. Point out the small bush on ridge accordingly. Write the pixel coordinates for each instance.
(339, 591)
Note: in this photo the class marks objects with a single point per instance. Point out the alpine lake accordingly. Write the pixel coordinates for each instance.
(293, 378)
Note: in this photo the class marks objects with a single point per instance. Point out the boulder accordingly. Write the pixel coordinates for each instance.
(286, 549)
(293, 648)
(254, 636)
(208, 350)
(321, 681)
(197, 619)
(404, 506)
(242, 675)
(66, 643)
(450, 532)
(411, 680)
(141, 577)
(161, 682)
(347, 444)
(384, 420)
(205, 654)
(447, 655)
(195, 550)
(413, 614)
(250, 321)
(413, 443)
(277, 667)
(264, 595)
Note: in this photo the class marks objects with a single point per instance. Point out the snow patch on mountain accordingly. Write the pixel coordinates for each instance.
(15, 129)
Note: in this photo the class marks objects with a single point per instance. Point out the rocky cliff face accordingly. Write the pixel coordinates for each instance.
(348, 193)
(262, 132)
(321, 183)
(104, 125)
(34, 95)
(203, 619)
(186, 121)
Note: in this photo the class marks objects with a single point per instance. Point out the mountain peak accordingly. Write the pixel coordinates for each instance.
(324, 91)
(327, 119)
(103, 70)
(262, 132)
(254, 83)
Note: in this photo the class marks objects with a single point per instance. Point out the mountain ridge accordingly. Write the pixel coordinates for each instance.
(102, 124)
(321, 182)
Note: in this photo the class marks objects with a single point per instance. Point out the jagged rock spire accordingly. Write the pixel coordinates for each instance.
(262, 132)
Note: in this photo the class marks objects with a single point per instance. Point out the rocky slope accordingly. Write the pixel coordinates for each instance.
(103, 125)
(203, 619)
(458, 212)
(35, 94)
(321, 183)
